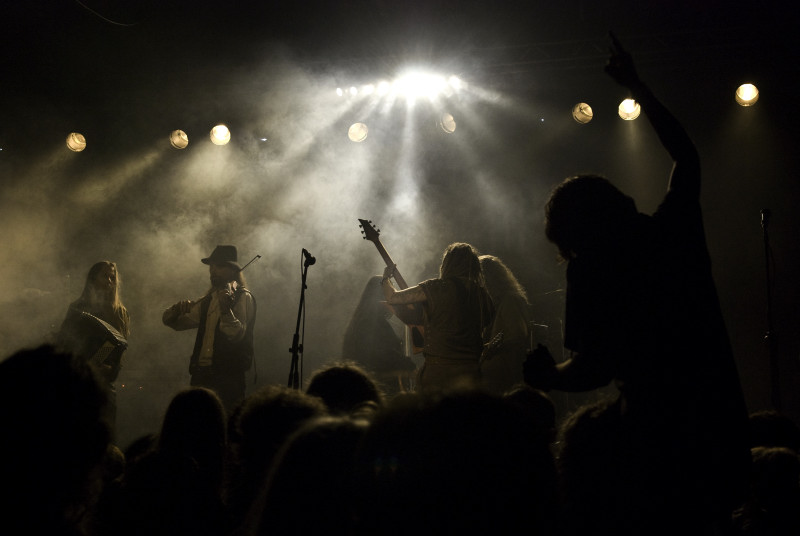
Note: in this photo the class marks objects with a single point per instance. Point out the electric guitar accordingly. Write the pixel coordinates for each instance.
(411, 315)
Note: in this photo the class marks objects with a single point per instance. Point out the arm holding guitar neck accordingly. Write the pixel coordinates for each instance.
(404, 296)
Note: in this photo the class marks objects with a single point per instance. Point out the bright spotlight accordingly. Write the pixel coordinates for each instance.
(220, 135)
(415, 85)
(76, 142)
(746, 94)
(357, 132)
(179, 139)
(582, 113)
(383, 87)
(447, 123)
(455, 82)
(339, 91)
(354, 90)
(369, 89)
(629, 109)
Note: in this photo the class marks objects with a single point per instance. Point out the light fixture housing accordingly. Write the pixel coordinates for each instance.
(220, 135)
(746, 95)
(76, 142)
(447, 123)
(357, 132)
(629, 109)
(178, 139)
(582, 113)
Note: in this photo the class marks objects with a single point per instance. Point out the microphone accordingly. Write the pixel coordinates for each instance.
(765, 214)
(309, 258)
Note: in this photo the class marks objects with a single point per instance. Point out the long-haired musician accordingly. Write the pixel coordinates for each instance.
(97, 325)
(456, 309)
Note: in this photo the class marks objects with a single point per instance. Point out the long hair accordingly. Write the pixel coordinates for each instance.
(500, 280)
(110, 307)
(461, 260)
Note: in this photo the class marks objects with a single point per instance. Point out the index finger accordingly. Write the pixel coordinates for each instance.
(616, 46)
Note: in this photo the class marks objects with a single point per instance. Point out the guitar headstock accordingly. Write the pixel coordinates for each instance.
(369, 231)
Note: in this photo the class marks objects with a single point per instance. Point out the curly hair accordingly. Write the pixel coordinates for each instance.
(584, 211)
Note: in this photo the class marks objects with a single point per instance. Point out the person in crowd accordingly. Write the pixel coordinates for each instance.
(456, 312)
(460, 462)
(97, 326)
(642, 310)
(262, 424)
(310, 487)
(770, 428)
(53, 410)
(177, 486)
(501, 370)
(371, 341)
(345, 388)
(773, 505)
(224, 318)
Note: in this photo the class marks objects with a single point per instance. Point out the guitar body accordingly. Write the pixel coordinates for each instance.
(410, 315)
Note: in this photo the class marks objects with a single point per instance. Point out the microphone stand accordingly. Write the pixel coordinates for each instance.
(769, 336)
(295, 372)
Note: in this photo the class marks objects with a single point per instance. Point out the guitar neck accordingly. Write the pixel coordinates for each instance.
(389, 262)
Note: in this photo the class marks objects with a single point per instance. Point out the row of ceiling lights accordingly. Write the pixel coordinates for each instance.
(629, 109)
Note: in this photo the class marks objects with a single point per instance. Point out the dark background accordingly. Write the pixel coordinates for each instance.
(125, 74)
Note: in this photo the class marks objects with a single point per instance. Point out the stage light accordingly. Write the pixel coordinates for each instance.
(220, 135)
(629, 109)
(357, 132)
(455, 82)
(369, 89)
(339, 91)
(354, 90)
(582, 113)
(415, 84)
(179, 139)
(383, 87)
(76, 142)
(447, 123)
(746, 94)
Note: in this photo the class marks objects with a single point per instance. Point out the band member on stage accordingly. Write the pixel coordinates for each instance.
(84, 335)
(456, 310)
(224, 318)
(503, 370)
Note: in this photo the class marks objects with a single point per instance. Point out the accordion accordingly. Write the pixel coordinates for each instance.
(101, 342)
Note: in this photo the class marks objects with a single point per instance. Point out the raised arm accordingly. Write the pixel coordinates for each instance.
(685, 177)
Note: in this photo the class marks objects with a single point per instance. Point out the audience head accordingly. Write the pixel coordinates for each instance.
(769, 428)
(345, 387)
(538, 406)
(314, 467)
(55, 438)
(585, 213)
(460, 463)
(194, 427)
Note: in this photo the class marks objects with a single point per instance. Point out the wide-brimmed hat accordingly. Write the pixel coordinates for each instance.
(225, 255)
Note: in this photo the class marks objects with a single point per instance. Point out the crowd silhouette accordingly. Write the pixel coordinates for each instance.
(675, 452)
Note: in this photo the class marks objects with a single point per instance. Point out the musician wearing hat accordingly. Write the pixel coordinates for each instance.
(224, 318)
